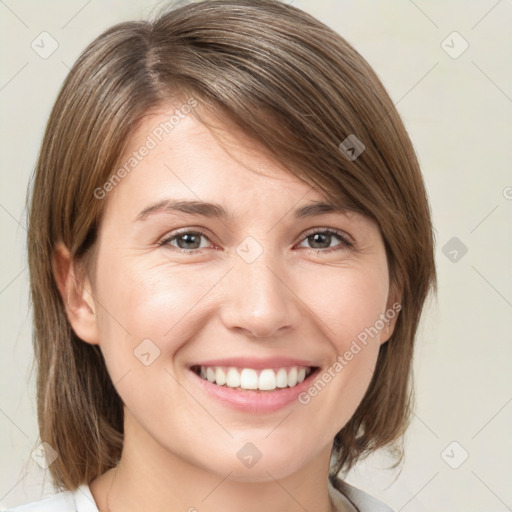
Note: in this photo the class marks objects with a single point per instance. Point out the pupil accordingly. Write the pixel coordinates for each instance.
(188, 239)
(320, 235)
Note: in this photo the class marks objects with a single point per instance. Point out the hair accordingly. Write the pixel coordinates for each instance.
(291, 84)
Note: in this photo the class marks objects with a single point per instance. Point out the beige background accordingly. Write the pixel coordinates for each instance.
(458, 111)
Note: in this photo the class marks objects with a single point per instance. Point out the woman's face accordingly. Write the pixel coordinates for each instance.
(247, 296)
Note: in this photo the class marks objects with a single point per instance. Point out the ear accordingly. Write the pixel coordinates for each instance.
(75, 289)
(393, 308)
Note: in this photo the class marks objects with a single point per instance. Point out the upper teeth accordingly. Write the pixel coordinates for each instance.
(248, 378)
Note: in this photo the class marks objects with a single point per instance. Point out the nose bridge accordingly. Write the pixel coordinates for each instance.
(260, 301)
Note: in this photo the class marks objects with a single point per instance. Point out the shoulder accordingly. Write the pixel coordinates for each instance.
(79, 500)
(360, 499)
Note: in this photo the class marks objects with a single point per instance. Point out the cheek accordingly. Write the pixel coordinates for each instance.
(349, 303)
(348, 300)
(143, 321)
(139, 303)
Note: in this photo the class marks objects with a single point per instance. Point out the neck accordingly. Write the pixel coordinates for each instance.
(150, 477)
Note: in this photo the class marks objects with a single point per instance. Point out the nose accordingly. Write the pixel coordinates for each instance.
(259, 298)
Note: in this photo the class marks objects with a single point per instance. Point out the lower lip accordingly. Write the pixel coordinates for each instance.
(255, 401)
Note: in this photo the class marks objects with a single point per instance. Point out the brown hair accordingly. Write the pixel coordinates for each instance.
(292, 84)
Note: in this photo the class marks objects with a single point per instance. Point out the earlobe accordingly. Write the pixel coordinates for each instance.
(387, 331)
(75, 290)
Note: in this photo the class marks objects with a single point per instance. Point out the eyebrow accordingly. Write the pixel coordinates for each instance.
(215, 210)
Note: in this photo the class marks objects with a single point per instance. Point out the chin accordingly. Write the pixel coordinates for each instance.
(258, 461)
(260, 472)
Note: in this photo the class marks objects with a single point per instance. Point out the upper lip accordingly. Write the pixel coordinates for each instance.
(256, 363)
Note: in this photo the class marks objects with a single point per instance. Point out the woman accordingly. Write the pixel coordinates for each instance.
(200, 345)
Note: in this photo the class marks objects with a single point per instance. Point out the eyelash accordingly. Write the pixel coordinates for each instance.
(346, 243)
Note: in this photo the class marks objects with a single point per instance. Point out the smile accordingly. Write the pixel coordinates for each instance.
(267, 379)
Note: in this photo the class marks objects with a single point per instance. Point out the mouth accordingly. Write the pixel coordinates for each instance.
(254, 379)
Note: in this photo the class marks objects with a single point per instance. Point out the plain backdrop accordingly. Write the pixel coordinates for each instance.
(447, 66)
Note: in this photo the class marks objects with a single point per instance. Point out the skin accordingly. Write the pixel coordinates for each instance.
(180, 445)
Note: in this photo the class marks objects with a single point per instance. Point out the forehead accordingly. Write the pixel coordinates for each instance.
(200, 160)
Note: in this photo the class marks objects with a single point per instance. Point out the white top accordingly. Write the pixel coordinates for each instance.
(344, 497)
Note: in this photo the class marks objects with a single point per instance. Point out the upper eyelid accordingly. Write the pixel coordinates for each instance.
(340, 232)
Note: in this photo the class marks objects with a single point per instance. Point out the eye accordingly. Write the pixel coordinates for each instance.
(321, 240)
(186, 241)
